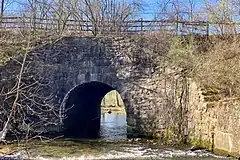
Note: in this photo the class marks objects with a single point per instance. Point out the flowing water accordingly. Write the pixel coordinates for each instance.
(113, 144)
(113, 126)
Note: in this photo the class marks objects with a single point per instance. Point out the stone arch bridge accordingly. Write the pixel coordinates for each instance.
(63, 84)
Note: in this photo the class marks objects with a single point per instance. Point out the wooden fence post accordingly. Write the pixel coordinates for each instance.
(141, 22)
(207, 29)
(87, 26)
(177, 24)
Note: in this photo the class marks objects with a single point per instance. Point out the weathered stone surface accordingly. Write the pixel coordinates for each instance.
(214, 124)
(149, 95)
(159, 102)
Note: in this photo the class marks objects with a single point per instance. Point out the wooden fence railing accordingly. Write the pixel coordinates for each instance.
(131, 26)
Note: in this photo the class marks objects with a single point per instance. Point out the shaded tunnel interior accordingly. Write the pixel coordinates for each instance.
(84, 111)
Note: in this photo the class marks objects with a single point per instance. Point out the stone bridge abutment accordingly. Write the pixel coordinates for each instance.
(76, 72)
(63, 83)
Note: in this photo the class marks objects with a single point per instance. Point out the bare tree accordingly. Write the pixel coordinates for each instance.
(190, 9)
(221, 13)
(15, 105)
(2, 8)
(175, 11)
(4, 5)
(103, 15)
(24, 106)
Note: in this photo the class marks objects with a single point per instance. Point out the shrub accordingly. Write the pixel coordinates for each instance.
(216, 67)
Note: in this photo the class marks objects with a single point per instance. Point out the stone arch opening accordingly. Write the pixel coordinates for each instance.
(82, 110)
(113, 117)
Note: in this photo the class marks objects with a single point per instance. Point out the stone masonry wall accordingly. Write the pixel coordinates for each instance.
(149, 94)
(214, 124)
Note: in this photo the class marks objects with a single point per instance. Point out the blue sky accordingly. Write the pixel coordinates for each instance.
(150, 6)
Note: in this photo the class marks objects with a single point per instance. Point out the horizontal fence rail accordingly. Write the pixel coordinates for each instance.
(131, 26)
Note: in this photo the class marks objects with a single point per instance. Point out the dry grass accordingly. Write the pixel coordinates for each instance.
(221, 67)
(215, 66)
(13, 43)
(214, 63)
(10, 45)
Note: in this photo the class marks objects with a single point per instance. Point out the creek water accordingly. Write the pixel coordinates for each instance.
(114, 144)
(113, 126)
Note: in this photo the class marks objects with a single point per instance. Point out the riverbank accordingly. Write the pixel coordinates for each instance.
(112, 144)
(107, 109)
(97, 149)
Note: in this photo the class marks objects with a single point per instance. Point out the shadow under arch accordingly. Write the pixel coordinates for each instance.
(81, 110)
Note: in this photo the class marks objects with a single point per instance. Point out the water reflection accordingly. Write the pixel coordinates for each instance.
(113, 126)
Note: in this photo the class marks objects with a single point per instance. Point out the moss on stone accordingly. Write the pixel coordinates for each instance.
(167, 136)
(201, 143)
(210, 91)
(225, 153)
(157, 135)
(220, 152)
(211, 105)
(212, 98)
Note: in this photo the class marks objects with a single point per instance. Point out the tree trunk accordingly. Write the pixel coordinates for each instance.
(2, 9)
